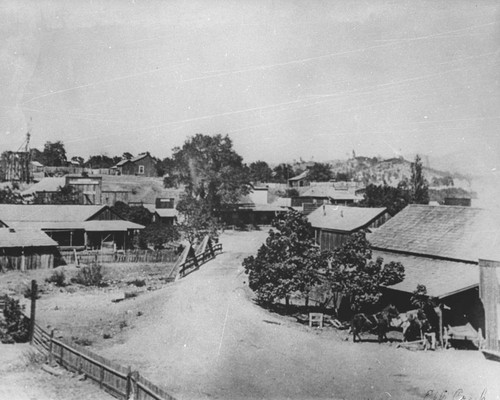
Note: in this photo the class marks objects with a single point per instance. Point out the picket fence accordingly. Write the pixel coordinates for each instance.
(119, 381)
(128, 256)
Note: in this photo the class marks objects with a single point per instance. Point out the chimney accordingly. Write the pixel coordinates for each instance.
(324, 210)
(342, 214)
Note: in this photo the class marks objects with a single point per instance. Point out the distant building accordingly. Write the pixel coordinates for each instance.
(322, 194)
(299, 180)
(72, 226)
(333, 225)
(455, 201)
(142, 165)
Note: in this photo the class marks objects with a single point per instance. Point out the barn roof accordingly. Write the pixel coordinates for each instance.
(24, 238)
(442, 278)
(49, 184)
(343, 219)
(451, 232)
(303, 175)
(331, 192)
(47, 212)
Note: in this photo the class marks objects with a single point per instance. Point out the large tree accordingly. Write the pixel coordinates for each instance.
(54, 154)
(211, 170)
(287, 263)
(195, 220)
(260, 172)
(282, 172)
(352, 273)
(392, 198)
(101, 161)
(418, 183)
(320, 172)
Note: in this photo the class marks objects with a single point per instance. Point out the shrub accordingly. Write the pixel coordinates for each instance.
(15, 327)
(137, 282)
(58, 278)
(90, 276)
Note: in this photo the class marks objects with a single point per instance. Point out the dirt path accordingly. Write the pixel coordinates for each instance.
(23, 379)
(210, 341)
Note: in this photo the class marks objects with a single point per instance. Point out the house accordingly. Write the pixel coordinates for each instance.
(324, 194)
(440, 247)
(299, 180)
(334, 224)
(72, 226)
(26, 249)
(163, 210)
(142, 165)
(252, 209)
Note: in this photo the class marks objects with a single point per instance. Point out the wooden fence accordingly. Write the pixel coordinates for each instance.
(119, 381)
(128, 256)
(193, 261)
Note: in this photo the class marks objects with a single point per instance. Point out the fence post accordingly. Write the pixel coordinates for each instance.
(34, 293)
(51, 345)
(128, 389)
(101, 377)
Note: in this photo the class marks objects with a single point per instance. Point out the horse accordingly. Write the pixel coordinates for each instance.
(378, 322)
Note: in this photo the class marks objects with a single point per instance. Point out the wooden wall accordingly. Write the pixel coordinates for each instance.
(34, 258)
(489, 292)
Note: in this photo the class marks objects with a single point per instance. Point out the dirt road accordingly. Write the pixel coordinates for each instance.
(209, 340)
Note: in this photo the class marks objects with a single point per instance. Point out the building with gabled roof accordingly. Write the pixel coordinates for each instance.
(73, 226)
(334, 224)
(440, 247)
(299, 180)
(25, 249)
(142, 165)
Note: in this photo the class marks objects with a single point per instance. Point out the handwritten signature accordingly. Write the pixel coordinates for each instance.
(457, 395)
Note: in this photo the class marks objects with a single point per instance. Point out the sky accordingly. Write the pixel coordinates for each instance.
(284, 79)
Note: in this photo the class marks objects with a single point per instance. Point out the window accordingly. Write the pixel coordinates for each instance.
(141, 169)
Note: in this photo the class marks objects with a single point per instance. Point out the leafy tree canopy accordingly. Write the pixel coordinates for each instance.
(392, 198)
(101, 161)
(260, 172)
(54, 154)
(320, 172)
(211, 170)
(9, 196)
(282, 172)
(418, 184)
(195, 220)
(287, 263)
(158, 234)
(353, 273)
(137, 214)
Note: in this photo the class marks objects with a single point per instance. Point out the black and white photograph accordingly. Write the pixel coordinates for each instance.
(249, 200)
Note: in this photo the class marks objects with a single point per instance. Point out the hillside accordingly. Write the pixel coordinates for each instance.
(141, 189)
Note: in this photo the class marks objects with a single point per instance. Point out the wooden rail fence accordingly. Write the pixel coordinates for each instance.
(119, 381)
(128, 256)
(192, 262)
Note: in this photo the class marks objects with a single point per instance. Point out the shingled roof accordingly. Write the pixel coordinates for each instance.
(47, 212)
(441, 278)
(343, 219)
(448, 232)
(24, 238)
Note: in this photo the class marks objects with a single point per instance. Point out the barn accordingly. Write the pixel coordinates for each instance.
(72, 226)
(440, 247)
(334, 224)
(26, 249)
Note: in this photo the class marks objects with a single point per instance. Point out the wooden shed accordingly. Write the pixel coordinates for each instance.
(142, 165)
(26, 249)
(334, 224)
